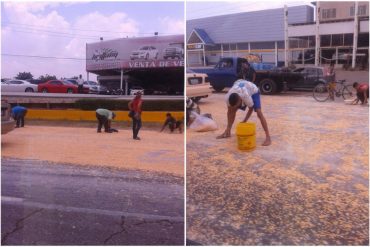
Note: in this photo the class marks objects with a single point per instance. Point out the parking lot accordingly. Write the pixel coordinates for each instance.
(310, 187)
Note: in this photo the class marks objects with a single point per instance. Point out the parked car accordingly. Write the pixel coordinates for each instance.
(58, 86)
(197, 85)
(95, 88)
(145, 52)
(174, 51)
(136, 89)
(7, 122)
(35, 81)
(18, 86)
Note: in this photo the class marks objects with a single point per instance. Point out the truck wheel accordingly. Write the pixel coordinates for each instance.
(218, 88)
(268, 86)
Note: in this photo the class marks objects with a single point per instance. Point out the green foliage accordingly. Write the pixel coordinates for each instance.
(122, 105)
(47, 77)
(24, 76)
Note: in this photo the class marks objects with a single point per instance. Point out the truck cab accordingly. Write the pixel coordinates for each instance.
(225, 72)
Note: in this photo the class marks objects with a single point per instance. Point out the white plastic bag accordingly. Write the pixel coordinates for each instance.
(202, 123)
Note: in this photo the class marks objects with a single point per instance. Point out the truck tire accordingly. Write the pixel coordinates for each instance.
(218, 88)
(268, 86)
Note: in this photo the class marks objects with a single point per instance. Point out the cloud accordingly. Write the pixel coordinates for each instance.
(33, 7)
(171, 25)
(29, 40)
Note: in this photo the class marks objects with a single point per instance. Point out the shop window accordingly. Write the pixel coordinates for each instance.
(262, 45)
(311, 41)
(225, 47)
(243, 46)
(348, 39)
(363, 40)
(233, 47)
(280, 44)
(293, 43)
(328, 13)
(325, 40)
(216, 47)
(362, 10)
(337, 40)
(303, 42)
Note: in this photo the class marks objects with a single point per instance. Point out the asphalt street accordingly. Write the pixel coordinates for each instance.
(61, 204)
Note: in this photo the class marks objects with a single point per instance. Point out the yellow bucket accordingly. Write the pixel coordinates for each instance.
(246, 135)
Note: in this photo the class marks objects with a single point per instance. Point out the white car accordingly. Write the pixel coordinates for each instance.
(197, 85)
(18, 86)
(135, 90)
(145, 52)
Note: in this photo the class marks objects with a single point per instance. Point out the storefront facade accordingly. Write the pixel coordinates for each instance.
(123, 63)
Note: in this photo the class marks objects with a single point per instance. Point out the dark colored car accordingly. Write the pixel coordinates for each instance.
(35, 81)
(58, 86)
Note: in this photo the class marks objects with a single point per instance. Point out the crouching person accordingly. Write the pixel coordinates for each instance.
(18, 113)
(172, 123)
(104, 117)
(362, 90)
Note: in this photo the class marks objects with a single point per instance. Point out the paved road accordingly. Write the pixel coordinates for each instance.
(61, 204)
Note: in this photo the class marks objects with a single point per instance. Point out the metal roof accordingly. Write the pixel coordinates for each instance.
(256, 26)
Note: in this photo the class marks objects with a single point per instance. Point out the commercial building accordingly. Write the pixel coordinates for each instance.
(263, 34)
(343, 37)
(153, 63)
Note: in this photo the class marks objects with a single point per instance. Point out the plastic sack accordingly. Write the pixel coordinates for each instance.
(202, 123)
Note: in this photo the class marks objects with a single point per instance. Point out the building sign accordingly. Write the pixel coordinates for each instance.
(104, 53)
(195, 46)
(129, 53)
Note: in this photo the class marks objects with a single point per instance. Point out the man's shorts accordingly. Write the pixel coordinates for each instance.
(256, 101)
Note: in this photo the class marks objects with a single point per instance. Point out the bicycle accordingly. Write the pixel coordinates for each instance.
(322, 92)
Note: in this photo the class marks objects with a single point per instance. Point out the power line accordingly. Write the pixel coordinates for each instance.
(53, 35)
(43, 57)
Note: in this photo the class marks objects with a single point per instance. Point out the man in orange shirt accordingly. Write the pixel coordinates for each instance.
(135, 107)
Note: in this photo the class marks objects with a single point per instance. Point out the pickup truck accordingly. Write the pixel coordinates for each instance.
(270, 80)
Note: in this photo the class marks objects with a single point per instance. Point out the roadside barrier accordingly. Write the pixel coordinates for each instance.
(78, 115)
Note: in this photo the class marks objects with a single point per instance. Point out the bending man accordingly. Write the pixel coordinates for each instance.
(244, 94)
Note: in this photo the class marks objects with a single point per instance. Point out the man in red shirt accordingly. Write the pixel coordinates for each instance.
(135, 106)
(362, 92)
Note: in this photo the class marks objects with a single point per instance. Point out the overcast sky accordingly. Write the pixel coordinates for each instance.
(200, 9)
(62, 29)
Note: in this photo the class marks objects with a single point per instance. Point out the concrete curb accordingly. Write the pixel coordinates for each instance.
(78, 115)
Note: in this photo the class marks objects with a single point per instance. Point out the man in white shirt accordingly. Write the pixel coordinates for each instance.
(80, 83)
(244, 94)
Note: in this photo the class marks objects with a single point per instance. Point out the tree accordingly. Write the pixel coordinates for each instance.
(24, 76)
(47, 77)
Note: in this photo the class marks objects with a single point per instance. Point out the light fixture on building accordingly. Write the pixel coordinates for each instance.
(156, 33)
(101, 38)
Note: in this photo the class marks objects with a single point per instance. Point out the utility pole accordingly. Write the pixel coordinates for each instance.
(286, 38)
(355, 36)
(317, 43)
